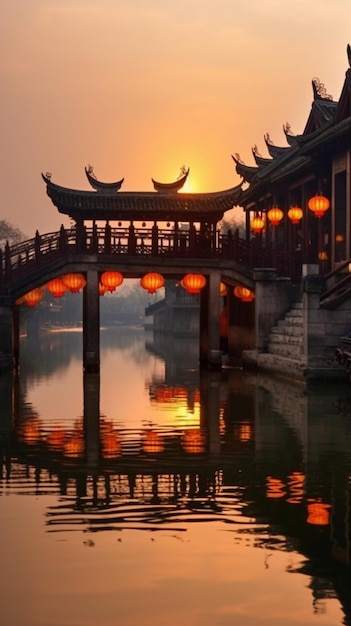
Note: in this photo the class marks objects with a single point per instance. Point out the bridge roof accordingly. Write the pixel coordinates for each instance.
(131, 205)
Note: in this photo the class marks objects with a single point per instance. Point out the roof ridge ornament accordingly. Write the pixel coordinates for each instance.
(255, 150)
(267, 139)
(319, 90)
(349, 53)
(237, 158)
(175, 186)
(98, 185)
(287, 129)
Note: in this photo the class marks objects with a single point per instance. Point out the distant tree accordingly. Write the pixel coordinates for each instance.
(10, 233)
(232, 222)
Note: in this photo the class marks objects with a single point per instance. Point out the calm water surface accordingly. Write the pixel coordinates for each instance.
(154, 494)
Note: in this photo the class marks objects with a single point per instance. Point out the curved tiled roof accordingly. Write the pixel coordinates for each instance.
(274, 151)
(100, 186)
(260, 160)
(90, 205)
(248, 172)
(290, 138)
(171, 187)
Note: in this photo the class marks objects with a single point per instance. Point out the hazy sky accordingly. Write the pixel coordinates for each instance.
(138, 89)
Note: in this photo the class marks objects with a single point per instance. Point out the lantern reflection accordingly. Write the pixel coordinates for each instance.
(56, 439)
(29, 431)
(296, 487)
(275, 488)
(193, 441)
(74, 445)
(153, 442)
(318, 512)
(111, 446)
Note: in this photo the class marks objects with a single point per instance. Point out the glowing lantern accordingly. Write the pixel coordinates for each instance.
(222, 289)
(153, 442)
(318, 205)
(56, 287)
(257, 224)
(111, 280)
(74, 282)
(193, 283)
(318, 513)
(33, 297)
(295, 214)
(275, 215)
(193, 441)
(102, 289)
(339, 238)
(322, 255)
(243, 294)
(152, 281)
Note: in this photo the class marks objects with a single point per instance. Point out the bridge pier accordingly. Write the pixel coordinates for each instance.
(91, 323)
(210, 354)
(7, 335)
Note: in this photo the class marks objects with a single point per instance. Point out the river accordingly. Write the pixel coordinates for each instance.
(156, 494)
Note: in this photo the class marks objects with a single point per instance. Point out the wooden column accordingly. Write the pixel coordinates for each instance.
(210, 355)
(91, 323)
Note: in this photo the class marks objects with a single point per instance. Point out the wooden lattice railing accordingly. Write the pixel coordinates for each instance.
(21, 259)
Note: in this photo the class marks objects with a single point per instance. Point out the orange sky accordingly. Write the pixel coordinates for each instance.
(138, 89)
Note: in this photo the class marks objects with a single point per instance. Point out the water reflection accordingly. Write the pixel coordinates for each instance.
(266, 460)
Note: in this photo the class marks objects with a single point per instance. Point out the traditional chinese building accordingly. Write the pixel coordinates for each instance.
(315, 163)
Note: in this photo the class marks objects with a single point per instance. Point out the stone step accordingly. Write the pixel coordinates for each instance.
(288, 329)
(293, 316)
(284, 338)
(293, 351)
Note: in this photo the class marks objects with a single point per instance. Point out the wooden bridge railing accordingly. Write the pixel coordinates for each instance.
(21, 259)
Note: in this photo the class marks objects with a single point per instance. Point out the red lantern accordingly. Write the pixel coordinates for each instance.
(295, 214)
(318, 205)
(102, 289)
(74, 282)
(243, 294)
(152, 281)
(257, 224)
(33, 297)
(275, 215)
(193, 283)
(111, 280)
(222, 289)
(56, 287)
